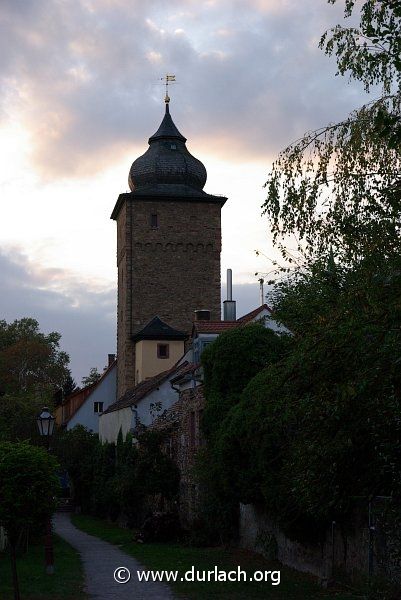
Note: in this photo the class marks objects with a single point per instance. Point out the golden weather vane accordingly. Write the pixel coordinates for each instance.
(168, 79)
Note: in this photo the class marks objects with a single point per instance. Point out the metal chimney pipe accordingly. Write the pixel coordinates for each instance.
(230, 310)
(229, 284)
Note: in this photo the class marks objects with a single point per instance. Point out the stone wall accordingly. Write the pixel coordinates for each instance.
(182, 442)
(169, 271)
(353, 552)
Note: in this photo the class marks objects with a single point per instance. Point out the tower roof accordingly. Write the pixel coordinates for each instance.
(167, 129)
(157, 329)
(167, 163)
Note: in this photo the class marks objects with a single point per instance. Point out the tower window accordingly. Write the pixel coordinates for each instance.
(154, 221)
(98, 407)
(173, 147)
(162, 351)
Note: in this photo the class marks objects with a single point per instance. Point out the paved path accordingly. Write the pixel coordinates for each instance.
(100, 559)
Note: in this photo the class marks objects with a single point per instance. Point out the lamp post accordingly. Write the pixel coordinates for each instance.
(45, 423)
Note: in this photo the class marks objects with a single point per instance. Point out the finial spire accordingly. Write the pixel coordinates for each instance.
(168, 79)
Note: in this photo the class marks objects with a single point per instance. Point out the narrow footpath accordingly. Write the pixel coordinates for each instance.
(100, 560)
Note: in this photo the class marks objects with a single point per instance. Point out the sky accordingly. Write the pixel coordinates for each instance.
(81, 93)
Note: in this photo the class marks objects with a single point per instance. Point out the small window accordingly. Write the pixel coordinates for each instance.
(162, 351)
(98, 407)
(154, 221)
(173, 147)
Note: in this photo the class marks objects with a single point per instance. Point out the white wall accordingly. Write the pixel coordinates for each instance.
(269, 322)
(110, 423)
(104, 392)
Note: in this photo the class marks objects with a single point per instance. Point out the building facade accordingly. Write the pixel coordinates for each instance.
(168, 244)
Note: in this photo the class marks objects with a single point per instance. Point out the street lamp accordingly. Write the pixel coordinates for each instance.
(45, 423)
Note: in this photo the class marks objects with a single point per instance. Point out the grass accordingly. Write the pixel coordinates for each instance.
(65, 584)
(293, 585)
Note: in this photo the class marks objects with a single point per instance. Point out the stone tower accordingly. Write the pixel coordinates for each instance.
(168, 244)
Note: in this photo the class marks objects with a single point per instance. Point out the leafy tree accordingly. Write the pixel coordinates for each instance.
(229, 364)
(76, 451)
(321, 425)
(30, 361)
(92, 378)
(108, 479)
(69, 386)
(371, 53)
(28, 485)
(18, 413)
(339, 186)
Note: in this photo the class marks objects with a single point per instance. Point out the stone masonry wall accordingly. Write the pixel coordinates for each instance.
(169, 271)
(182, 443)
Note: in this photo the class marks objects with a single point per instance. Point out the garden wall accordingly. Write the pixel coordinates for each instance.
(369, 546)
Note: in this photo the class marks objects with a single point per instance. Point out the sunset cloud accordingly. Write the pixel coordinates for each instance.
(80, 94)
(82, 77)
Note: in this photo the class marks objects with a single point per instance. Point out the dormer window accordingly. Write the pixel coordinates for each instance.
(154, 221)
(162, 350)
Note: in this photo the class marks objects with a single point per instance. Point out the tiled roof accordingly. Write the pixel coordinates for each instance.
(157, 329)
(83, 393)
(214, 326)
(254, 313)
(145, 387)
(190, 368)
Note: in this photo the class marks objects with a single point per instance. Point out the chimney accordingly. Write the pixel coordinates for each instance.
(202, 315)
(230, 306)
(111, 359)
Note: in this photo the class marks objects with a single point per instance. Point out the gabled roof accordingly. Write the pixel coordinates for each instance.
(83, 393)
(157, 329)
(218, 327)
(186, 371)
(144, 388)
(254, 313)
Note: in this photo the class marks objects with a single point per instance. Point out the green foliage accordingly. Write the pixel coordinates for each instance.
(111, 480)
(229, 364)
(322, 425)
(339, 186)
(28, 485)
(76, 451)
(18, 413)
(371, 53)
(92, 378)
(36, 584)
(161, 556)
(30, 361)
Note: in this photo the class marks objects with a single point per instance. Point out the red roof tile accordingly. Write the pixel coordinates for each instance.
(214, 326)
(77, 398)
(145, 387)
(254, 313)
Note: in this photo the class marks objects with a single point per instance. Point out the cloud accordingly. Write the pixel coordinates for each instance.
(83, 77)
(84, 312)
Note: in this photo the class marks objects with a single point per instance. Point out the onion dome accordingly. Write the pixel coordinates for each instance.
(167, 163)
